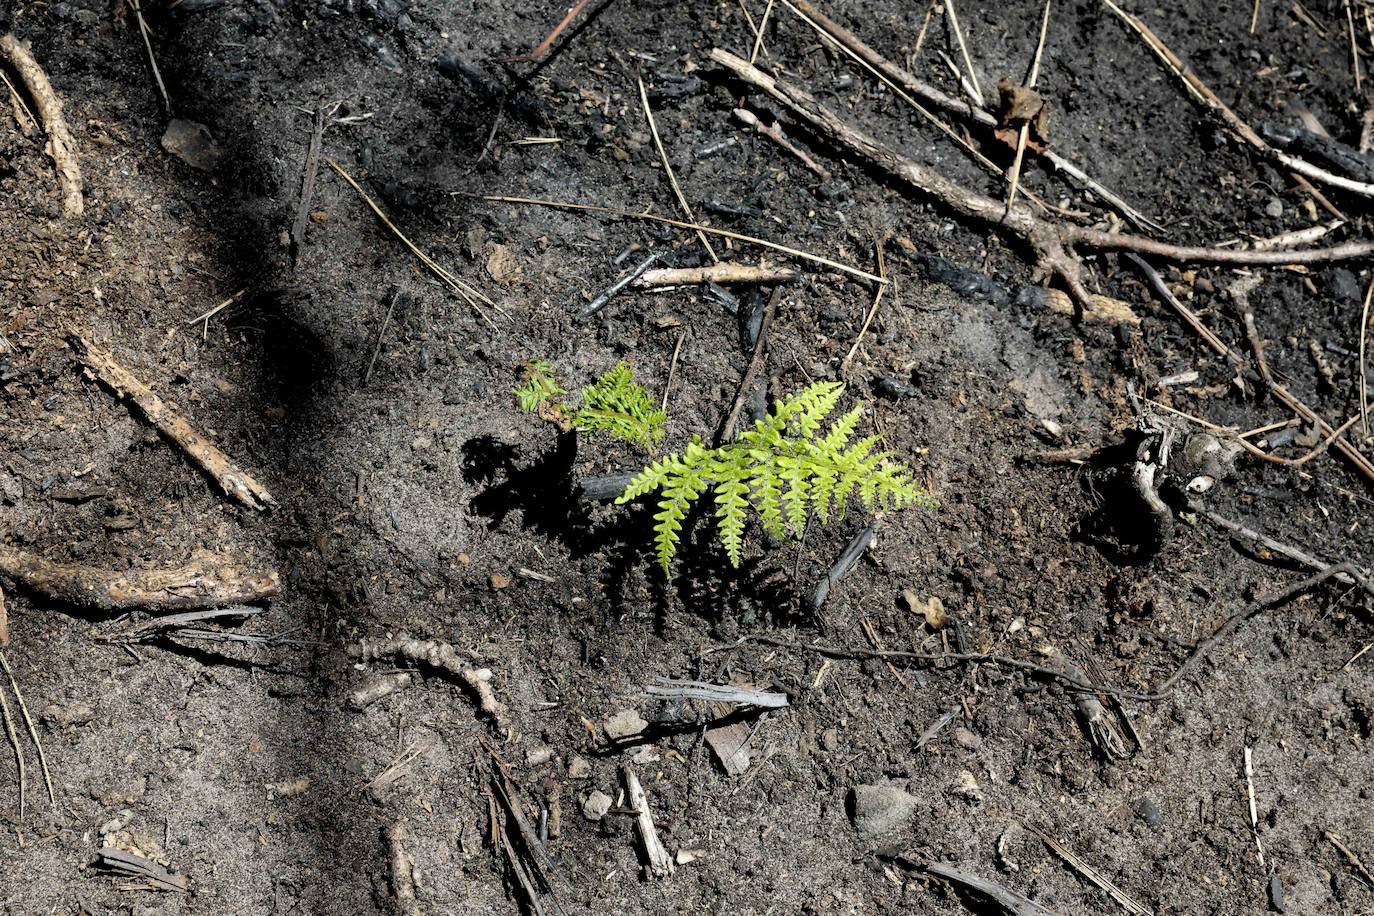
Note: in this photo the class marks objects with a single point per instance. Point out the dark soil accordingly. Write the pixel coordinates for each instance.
(406, 497)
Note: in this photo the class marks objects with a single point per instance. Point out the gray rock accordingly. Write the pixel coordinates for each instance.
(596, 805)
(1276, 893)
(966, 739)
(623, 724)
(877, 810)
(1274, 208)
(1148, 811)
(192, 144)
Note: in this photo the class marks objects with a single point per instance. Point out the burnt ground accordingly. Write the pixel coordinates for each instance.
(407, 495)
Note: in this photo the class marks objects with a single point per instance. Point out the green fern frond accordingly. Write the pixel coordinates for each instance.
(784, 467)
(539, 391)
(616, 404)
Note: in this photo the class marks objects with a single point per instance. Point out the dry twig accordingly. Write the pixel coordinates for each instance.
(61, 146)
(168, 421)
(723, 272)
(668, 168)
(31, 727)
(669, 221)
(1053, 245)
(402, 870)
(910, 89)
(438, 655)
(659, 863)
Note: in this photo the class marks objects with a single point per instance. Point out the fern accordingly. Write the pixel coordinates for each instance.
(784, 467)
(613, 404)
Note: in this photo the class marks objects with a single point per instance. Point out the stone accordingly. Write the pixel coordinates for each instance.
(579, 768)
(966, 739)
(624, 724)
(596, 805)
(880, 809)
(192, 144)
(1146, 809)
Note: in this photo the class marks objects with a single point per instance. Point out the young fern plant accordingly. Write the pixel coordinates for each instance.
(784, 469)
(614, 404)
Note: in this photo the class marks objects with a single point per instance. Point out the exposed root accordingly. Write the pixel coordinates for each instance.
(438, 655)
(61, 146)
(208, 581)
(168, 421)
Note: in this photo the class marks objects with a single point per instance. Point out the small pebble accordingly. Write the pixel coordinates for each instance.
(623, 724)
(1148, 812)
(1274, 208)
(966, 739)
(579, 768)
(596, 805)
(1275, 893)
(499, 581)
(877, 810)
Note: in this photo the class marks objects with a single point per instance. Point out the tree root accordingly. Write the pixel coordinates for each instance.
(207, 581)
(437, 655)
(61, 146)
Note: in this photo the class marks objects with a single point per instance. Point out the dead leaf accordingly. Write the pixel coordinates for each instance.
(503, 266)
(932, 609)
(1022, 106)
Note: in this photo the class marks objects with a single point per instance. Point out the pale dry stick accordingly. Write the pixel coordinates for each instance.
(207, 581)
(873, 310)
(1023, 137)
(1297, 236)
(308, 175)
(921, 35)
(1364, 380)
(757, 32)
(235, 482)
(668, 168)
(909, 88)
(1301, 557)
(4, 621)
(32, 728)
(1254, 16)
(143, 30)
(963, 49)
(1350, 856)
(402, 870)
(1254, 808)
(775, 133)
(1280, 392)
(21, 108)
(758, 36)
(1357, 656)
(61, 146)
(469, 293)
(13, 735)
(810, 17)
(1095, 877)
(1213, 104)
(214, 310)
(669, 221)
(723, 272)
(1354, 48)
(672, 370)
(1052, 244)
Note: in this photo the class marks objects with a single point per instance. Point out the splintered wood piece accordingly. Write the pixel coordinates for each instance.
(667, 688)
(656, 857)
(208, 580)
(169, 421)
(61, 146)
(1009, 900)
(129, 865)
